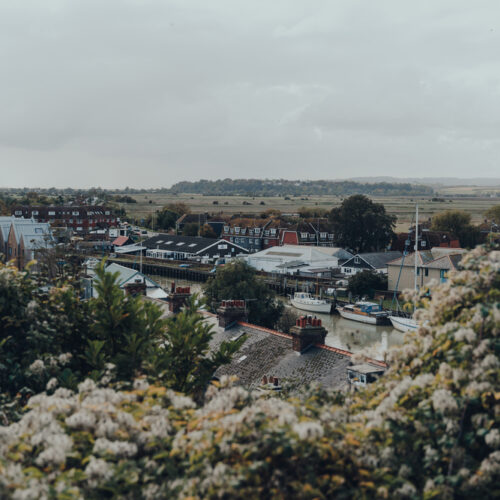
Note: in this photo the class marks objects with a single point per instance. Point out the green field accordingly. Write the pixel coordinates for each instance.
(402, 207)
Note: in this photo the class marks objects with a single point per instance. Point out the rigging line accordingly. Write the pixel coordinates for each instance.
(407, 244)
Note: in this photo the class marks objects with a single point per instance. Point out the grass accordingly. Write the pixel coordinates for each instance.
(403, 207)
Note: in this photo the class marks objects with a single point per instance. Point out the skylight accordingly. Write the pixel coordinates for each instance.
(180, 243)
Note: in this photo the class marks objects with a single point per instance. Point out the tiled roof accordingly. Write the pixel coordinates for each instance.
(377, 260)
(266, 352)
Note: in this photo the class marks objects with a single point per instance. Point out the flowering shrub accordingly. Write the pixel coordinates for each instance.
(427, 429)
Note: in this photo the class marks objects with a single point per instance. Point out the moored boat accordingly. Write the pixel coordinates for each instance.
(306, 302)
(365, 312)
(403, 324)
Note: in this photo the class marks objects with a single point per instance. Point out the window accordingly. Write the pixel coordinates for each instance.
(322, 235)
(266, 232)
(266, 241)
(168, 242)
(34, 212)
(75, 213)
(180, 243)
(256, 240)
(231, 239)
(356, 260)
(273, 232)
(304, 235)
(107, 212)
(191, 245)
(51, 212)
(222, 247)
(18, 212)
(226, 229)
(237, 230)
(257, 230)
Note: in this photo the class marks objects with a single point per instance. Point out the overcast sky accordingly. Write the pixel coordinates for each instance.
(145, 93)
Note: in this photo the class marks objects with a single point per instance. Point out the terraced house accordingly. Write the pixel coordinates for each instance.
(259, 234)
(22, 239)
(82, 219)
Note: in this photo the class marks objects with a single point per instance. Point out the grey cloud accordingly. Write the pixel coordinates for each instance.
(150, 92)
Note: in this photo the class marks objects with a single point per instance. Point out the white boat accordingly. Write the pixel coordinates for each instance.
(408, 324)
(305, 302)
(365, 312)
(404, 324)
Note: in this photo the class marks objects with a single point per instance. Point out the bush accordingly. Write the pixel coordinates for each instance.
(427, 429)
(366, 283)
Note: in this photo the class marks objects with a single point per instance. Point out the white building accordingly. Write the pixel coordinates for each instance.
(290, 259)
(126, 276)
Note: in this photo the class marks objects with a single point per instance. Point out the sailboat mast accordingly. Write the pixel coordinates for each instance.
(416, 247)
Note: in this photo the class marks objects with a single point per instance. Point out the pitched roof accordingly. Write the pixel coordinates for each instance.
(121, 240)
(184, 244)
(35, 235)
(266, 352)
(445, 262)
(376, 260)
(426, 256)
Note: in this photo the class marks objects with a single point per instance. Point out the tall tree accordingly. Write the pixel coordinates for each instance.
(237, 281)
(361, 225)
(493, 214)
(184, 360)
(458, 223)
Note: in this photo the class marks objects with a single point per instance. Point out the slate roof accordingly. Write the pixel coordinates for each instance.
(427, 256)
(184, 244)
(35, 235)
(445, 262)
(376, 260)
(266, 352)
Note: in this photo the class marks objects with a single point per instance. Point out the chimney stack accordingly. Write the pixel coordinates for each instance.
(177, 297)
(230, 312)
(307, 332)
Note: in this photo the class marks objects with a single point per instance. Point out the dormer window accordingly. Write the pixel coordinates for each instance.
(304, 235)
(226, 229)
(322, 235)
(273, 232)
(75, 213)
(237, 230)
(257, 230)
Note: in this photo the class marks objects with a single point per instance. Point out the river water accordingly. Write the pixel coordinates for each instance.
(371, 340)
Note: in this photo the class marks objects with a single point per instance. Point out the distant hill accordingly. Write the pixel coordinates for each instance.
(433, 181)
(282, 187)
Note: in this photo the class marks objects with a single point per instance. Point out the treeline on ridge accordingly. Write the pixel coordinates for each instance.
(282, 187)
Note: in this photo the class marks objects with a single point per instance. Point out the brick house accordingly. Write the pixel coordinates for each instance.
(82, 219)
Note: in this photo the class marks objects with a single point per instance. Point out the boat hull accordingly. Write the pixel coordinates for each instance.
(362, 318)
(317, 308)
(404, 324)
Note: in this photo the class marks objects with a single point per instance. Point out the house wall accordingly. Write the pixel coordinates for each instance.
(407, 280)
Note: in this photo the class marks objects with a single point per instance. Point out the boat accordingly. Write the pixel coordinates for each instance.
(365, 312)
(405, 324)
(306, 302)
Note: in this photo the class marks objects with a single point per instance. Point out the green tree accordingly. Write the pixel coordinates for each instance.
(493, 214)
(178, 208)
(190, 229)
(366, 283)
(207, 231)
(361, 225)
(164, 219)
(124, 329)
(237, 281)
(458, 223)
(184, 361)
